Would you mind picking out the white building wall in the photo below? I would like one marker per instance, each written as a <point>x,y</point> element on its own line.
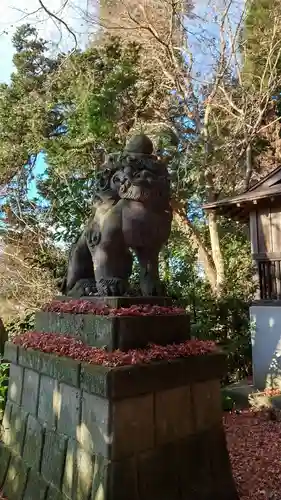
<point>266,345</point>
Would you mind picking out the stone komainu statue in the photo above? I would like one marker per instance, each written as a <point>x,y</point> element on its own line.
<point>132,212</point>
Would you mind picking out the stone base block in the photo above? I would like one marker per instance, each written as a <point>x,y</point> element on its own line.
<point>147,432</point>
<point>194,468</point>
<point>245,395</point>
<point>19,482</point>
<point>126,332</point>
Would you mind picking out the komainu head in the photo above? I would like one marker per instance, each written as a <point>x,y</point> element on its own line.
<point>141,176</point>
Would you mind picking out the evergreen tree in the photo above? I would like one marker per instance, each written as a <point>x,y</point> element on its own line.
<point>24,119</point>
<point>261,38</point>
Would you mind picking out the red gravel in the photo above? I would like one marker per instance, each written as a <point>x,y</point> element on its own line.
<point>86,306</point>
<point>76,349</point>
<point>254,444</point>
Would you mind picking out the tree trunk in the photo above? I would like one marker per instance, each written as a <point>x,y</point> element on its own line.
<point>249,167</point>
<point>216,251</point>
<point>195,237</point>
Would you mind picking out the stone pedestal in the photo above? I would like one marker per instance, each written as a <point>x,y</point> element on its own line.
<point>125,332</point>
<point>113,332</point>
<point>75,431</point>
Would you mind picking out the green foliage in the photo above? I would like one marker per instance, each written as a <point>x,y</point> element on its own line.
<point>260,38</point>
<point>20,324</point>
<point>4,381</point>
<point>95,94</point>
<point>24,121</point>
<point>179,269</point>
<point>73,108</point>
<point>227,403</point>
<point>236,248</point>
<point>51,259</point>
<point>226,320</point>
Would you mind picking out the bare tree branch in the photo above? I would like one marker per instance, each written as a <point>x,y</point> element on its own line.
<point>54,16</point>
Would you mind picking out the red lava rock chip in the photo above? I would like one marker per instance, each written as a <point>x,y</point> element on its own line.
<point>85,306</point>
<point>76,349</point>
<point>254,444</point>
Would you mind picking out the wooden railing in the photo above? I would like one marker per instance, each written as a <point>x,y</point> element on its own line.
<point>269,272</point>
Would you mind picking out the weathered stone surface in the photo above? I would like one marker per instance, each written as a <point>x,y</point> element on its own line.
<point>207,405</point>
<point>82,488</point>
<point>53,458</point>
<point>119,430</point>
<point>94,330</point>
<point>123,480</point>
<point>29,358</point>
<point>220,464</point>
<point>30,391</point>
<point>15,383</point>
<point>59,322</point>
<point>194,467</point>
<point>131,381</point>
<point>97,380</point>
<point>115,480</point>
<point>16,477</point>
<point>69,410</point>
<point>132,426</point>
<point>203,465</point>
<point>11,352</point>
<point>100,479</point>
<point>5,455</point>
<point>33,443</point>
<point>36,487</point>
<point>14,429</point>
<point>173,414</point>
<point>116,332</point>
<point>78,472</point>
<point>54,494</point>
<point>49,401</point>
<point>5,424</point>
<point>94,433</point>
<point>158,475</point>
<point>70,469</point>
<point>65,370</point>
<point>136,332</point>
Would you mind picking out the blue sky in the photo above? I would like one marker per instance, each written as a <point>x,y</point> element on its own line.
<point>39,170</point>
<point>16,12</point>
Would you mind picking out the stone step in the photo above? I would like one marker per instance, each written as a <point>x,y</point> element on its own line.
<point>245,395</point>
<point>239,393</point>
<point>113,332</point>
